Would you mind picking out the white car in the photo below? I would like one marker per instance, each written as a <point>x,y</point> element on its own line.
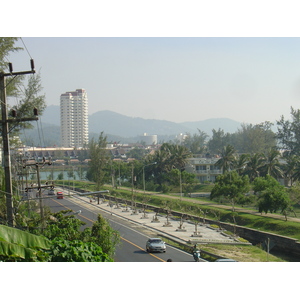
<point>51,192</point>
<point>155,245</point>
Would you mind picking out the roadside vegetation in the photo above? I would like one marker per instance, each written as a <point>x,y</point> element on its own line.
<point>252,160</point>
<point>61,240</point>
<point>204,207</point>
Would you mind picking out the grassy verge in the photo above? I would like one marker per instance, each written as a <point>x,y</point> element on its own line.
<point>237,252</point>
<point>241,253</point>
<point>259,222</point>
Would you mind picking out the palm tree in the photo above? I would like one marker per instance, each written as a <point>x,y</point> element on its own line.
<point>179,155</point>
<point>168,157</point>
<point>240,163</point>
<point>161,166</point>
<point>296,173</point>
<point>272,165</point>
<point>291,168</point>
<point>254,165</point>
<point>227,158</point>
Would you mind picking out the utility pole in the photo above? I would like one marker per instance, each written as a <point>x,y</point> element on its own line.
<point>39,187</point>
<point>5,138</point>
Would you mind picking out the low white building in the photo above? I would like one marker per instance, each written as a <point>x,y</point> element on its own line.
<point>204,168</point>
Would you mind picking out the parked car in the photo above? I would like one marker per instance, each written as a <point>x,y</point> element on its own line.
<point>60,195</point>
<point>155,245</point>
<point>51,192</point>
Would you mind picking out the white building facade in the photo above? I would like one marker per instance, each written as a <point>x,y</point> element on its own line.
<point>74,119</point>
<point>204,168</point>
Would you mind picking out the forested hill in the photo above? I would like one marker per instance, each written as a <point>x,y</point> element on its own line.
<point>124,126</point>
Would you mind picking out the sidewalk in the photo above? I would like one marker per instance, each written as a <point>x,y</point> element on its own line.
<point>160,224</point>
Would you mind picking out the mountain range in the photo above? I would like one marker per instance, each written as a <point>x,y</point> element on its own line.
<point>118,127</point>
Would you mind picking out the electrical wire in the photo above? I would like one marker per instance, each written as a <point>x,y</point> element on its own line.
<point>25,47</point>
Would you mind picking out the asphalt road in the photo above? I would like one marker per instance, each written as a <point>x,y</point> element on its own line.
<point>133,236</point>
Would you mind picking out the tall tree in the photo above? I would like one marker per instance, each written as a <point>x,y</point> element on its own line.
<point>271,165</point>
<point>7,46</point>
<point>254,138</point>
<point>168,157</point>
<point>26,91</point>
<point>103,235</point>
<point>231,186</point>
<point>178,156</point>
<point>254,165</point>
<point>218,141</point>
<point>291,169</point>
<point>98,168</point>
<point>240,163</point>
<point>295,172</point>
<point>227,158</point>
<point>272,196</point>
<point>196,143</point>
<point>29,99</point>
<point>288,134</point>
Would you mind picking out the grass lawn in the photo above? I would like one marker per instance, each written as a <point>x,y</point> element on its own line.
<point>238,252</point>
<point>241,253</point>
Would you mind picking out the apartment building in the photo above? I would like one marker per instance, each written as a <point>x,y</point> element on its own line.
<point>74,118</point>
<point>204,168</point>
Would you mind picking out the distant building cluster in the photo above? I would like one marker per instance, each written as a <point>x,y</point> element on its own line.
<point>74,119</point>
<point>74,138</point>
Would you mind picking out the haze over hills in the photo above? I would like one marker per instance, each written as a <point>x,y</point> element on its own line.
<point>118,124</point>
<point>125,129</point>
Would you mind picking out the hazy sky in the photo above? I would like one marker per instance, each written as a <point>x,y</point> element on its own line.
<point>177,79</point>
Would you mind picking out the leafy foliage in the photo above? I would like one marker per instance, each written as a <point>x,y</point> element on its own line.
<point>218,141</point>
<point>196,143</point>
<point>76,251</point>
<point>288,134</point>
<point>18,245</point>
<point>272,196</point>
<point>98,165</point>
<point>231,186</point>
<point>164,160</point>
<point>227,158</point>
<point>103,235</point>
<point>7,45</point>
<point>70,243</point>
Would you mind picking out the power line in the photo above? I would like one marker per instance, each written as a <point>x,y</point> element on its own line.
<point>26,48</point>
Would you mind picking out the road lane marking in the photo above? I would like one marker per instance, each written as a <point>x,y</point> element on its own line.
<point>79,203</point>
<point>120,236</point>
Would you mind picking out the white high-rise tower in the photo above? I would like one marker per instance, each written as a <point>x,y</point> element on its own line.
<point>74,119</point>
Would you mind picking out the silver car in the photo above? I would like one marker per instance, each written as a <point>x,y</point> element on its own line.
<point>51,192</point>
<point>155,245</point>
